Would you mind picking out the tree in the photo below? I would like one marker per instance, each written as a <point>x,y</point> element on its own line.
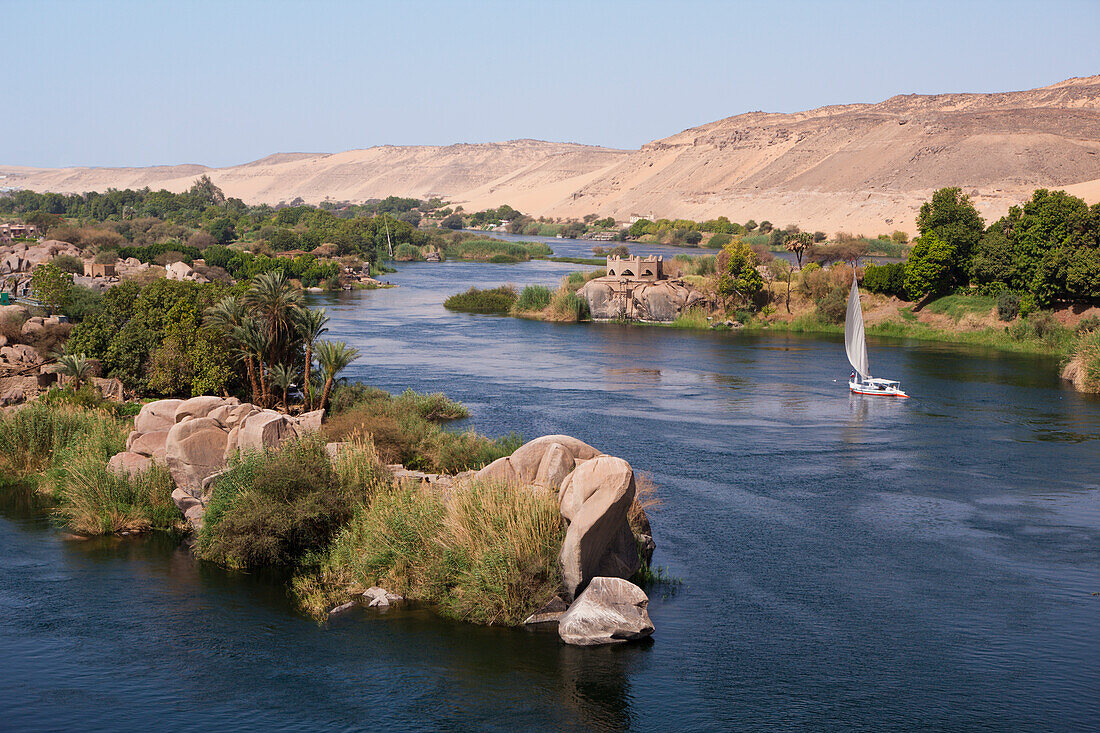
<point>930,267</point>
<point>819,237</point>
<point>954,221</point>
<point>736,276</point>
<point>222,230</point>
<point>76,367</point>
<point>797,243</point>
<point>51,285</point>
<point>333,357</point>
<point>693,237</point>
<point>638,228</point>
<point>453,221</point>
<point>282,376</point>
<point>310,324</point>
<point>206,192</point>
<point>274,302</point>
<point>750,225</point>
<point>764,226</point>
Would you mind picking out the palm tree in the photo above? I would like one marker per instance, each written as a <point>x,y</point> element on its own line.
<point>311,324</point>
<point>275,302</point>
<point>334,357</point>
<point>282,376</point>
<point>76,367</point>
<point>253,339</point>
<point>229,315</point>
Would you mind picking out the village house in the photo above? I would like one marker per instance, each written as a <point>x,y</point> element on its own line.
<point>11,232</point>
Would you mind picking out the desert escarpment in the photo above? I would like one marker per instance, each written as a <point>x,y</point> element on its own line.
<point>857,167</point>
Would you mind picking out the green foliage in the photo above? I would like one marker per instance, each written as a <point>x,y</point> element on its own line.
<point>888,279</point>
<point>568,307</point>
<point>719,240</point>
<point>930,267</point>
<point>833,307</point>
<point>953,220</point>
<point>51,285</point>
<point>153,340</point>
<point>82,303</point>
<point>1008,305</point>
<point>69,263</point>
<point>489,556</point>
<point>495,300</point>
<point>737,278</point>
<point>533,298</point>
<point>273,507</point>
<point>406,252</point>
<point>406,430</point>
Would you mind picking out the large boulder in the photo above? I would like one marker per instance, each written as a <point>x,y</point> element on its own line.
<point>609,611</point>
<point>194,449</point>
<point>157,416</point>
<point>153,445</point>
<point>525,465</point>
<point>202,406</point>
<point>127,463</point>
<point>264,429</point>
<point>660,301</point>
<point>595,500</point>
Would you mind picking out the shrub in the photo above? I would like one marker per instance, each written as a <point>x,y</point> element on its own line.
<point>487,556</point>
<point>495,300</point>
<point>41,432</point>
<point>1008,305</point>
<point>405,430</point>
<point>533,298</point>
<point>720,240</point>
<point>68,263</point>
<point>888,279</point>
<point>406,252</point>
<point>274,506</point>
<point>834,306</point>
<point>1088,354</point>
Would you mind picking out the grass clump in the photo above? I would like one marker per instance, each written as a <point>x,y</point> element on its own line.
<point>533,298</point>
<point>488,556</point>
<point>494,300</point>
<point>275,507</point>
<point>94,500</point>
<point>63,451</point>
<point>691,318</point>
<point>406,429</point>
<point>567,307</point>
<point>495,250</point>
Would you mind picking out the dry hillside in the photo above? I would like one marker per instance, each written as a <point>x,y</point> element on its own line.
<point>859,167</point>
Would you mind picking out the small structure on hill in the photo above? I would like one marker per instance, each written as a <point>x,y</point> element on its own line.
<point>97,269</point>
<point>649,269</point>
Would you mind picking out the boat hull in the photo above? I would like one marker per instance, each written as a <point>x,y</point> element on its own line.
<point>863,389</point>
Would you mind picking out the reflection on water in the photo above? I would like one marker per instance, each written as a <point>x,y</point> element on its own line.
<point>847,562</point>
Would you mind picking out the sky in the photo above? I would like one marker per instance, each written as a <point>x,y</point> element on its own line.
<point>113,83</point>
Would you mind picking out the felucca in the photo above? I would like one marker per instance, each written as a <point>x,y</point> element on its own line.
<point>855,343</point>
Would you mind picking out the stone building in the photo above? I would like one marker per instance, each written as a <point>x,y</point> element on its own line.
<point>648,269</point>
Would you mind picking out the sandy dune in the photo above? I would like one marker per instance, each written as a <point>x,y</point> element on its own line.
<point>858,167</point>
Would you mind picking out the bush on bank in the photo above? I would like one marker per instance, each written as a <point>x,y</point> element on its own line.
<point>406,429</point>
<point>495,300</point>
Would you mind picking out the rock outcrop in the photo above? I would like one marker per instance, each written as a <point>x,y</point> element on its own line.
<point>196,438</point>
<point>595,494</point>
<point>659,301</point>
<point>609,611</point>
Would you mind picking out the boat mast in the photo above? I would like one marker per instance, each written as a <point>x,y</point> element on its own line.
<point>389,244</point>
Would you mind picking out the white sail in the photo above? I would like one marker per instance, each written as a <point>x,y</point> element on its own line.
<point>855,341</point>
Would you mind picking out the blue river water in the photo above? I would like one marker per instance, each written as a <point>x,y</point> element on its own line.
<point>844,562</point>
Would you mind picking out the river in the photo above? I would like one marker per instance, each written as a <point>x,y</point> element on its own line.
<point>844,562</point>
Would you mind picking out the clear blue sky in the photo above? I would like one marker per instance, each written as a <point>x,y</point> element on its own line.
<point>219,83</point>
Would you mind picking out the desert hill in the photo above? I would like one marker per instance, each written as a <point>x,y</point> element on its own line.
<point>857,167</point>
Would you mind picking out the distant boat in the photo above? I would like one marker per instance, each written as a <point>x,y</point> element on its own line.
<point>855,343</point>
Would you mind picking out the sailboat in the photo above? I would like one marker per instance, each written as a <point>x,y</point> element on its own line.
<point>855,343</point>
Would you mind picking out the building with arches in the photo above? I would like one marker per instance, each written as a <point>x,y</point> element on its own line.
<point>649,269</point>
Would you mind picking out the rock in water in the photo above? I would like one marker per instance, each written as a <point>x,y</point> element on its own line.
<point>609,611</point>
<point>550,613</point>
<point>594,500</point>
